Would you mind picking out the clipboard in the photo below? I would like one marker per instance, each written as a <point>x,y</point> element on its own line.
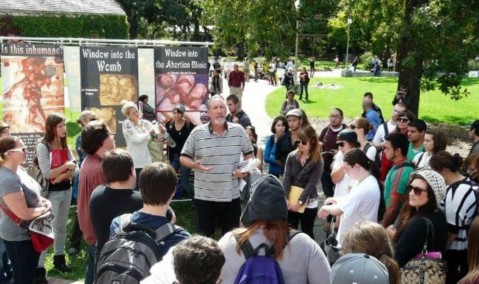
<point>293,197</point>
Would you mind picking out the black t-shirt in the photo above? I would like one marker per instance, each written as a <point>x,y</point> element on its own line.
<point>179,136</point>
<point>106,204</point>
<point>284,146</point>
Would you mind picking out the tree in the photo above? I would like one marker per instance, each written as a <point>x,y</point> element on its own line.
<point>434,39</point>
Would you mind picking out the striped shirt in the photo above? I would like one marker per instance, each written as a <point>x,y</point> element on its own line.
<point>222,153</point>
<point>460,206</point>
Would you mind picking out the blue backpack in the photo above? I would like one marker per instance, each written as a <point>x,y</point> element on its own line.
<point>260,269</point>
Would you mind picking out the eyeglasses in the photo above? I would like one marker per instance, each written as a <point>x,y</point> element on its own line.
<point>340,144</point>
<point>417,190</point>
<point>403,119</point>
<point>93,119</point>
<point>23,149</point>
<point>352,126</point>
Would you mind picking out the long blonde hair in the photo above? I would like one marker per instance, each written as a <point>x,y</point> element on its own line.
<point>371,238</point>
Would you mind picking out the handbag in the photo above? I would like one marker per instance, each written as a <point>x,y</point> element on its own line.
<point>40,241</point>
<point>426,267</point>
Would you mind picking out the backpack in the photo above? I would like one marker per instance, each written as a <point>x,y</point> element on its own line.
<point>377,157</point>
<point>128,256</point>
<point>35,172</point>
<point>260,269</point>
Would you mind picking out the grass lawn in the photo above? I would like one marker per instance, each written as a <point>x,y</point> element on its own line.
<point>433,106</point>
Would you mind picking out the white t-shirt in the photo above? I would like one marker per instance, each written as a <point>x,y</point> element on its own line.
<point>371,152</point>
<point>361,204</point>
<point>342,187</point>
<point>380,133</point>
<point>426,156</point>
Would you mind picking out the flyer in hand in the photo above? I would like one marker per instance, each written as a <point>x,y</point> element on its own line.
<point>43,225</point>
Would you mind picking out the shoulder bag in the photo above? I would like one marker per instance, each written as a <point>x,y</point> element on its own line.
<point>426,267</point>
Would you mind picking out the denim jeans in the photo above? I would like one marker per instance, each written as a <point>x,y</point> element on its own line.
<point>5,266</point>
<point>184,175</point>
<point>303,86</point>
<point>24,260</point>
<point>90,268</point>
<point>61,201</point>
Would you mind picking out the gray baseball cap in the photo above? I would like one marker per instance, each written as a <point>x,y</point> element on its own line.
<point>359,268</point>
<point>295,112</point>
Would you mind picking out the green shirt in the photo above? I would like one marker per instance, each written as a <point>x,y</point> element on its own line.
<point>412,152</point>
<point>397,180</point>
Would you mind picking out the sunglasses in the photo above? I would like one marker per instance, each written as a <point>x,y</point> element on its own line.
<point>23,149</point>
<point>417,190</point>
<point>352,126</point>
<point>92,119</point>
<point>340,144</point>
<point>403,119</point>
<point>302,142</point>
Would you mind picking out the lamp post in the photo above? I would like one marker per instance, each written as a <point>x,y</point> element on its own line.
<point>347,42</point>
<point>296,5</point>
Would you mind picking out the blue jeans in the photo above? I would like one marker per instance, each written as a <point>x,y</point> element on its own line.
<point>90,268</point>
<point>24,260</point>
<point>5,266</point>
<point>303,86</point>
<point>184,175</point>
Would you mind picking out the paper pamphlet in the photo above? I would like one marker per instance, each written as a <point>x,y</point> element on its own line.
<point>43,225</point>
<point>294,194</point>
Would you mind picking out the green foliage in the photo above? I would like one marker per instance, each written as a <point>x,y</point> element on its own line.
<point>366,59</point>
<point>435,107</point>
<point>265,27</point>
<point>96,26</point>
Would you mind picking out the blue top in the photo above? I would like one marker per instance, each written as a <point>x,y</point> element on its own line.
<point>270,157</point>
<point>154,222</point>
<point>373,118</point>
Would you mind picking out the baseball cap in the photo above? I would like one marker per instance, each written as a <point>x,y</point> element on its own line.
<point>180,108</point>
<point>359,268</point>
<point>347,135</point>
<point>295,112</point>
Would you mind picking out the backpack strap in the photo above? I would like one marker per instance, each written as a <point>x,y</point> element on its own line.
<point>164,231</point>
<point>249,251</point>
<point>386,130</point>
<point>366,147</point>
<point>404,164</point>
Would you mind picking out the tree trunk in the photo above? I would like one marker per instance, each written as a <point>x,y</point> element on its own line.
<point>410,59</point>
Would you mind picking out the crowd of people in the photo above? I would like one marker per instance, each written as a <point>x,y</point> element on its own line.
<point>392,192</point>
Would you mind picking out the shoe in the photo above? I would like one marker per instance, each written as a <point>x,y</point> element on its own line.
<point>40,276</point>
<point>73,250</point>
<point>59,263</point>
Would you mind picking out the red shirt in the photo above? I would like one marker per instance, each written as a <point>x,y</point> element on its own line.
<point>236,79</point>
<point>91,176</point>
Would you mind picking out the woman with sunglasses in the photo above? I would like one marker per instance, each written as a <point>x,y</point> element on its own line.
<point>303,169</point>
<point>362,127</point>
<point>56,163</point>
<point>20,194</point>
<point>403,120</point>
<point>426,191</point>
<point>460,206</point>
<point>347,140</point>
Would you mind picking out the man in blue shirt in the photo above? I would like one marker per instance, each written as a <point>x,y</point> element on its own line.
<point>157,187</point>
<point>372,116</point>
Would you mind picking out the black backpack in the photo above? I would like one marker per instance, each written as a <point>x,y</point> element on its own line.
<point>377,158</point>
<point>128,256</point>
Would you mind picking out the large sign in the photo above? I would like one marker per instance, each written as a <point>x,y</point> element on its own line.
<point>109,78</point>
<point>181,77</point>
<point>32,88</point>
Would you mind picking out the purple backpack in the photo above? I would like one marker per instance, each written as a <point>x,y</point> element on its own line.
<point>260,269</point>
